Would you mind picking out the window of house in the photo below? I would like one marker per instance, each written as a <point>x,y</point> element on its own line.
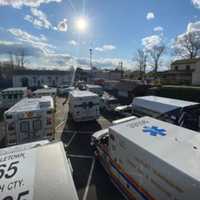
<point>188,67</point>
<point>24,126</point>
<point>176,68</point>
<point>37,125</point>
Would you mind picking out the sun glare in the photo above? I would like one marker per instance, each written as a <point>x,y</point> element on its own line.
<point>82,24</point>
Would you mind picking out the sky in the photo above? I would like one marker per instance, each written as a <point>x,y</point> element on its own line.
<point>59,33</point>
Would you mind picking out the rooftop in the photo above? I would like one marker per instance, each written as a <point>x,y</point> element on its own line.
<point>32,104</point>
<point>161,104</point>
<point>41,72</point>
<point>186,61</point>
<point>86,93</point>
<point>15,89</point>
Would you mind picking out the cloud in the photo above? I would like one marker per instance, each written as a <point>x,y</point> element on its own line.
<point>39,19</point>
<point>73,43</point>
<point>107,47</point>
<point>192,27</point>
<point>151,41</point>
<point>7,47</point>
<point>196,3</point>
<point>158,29</point>
<point>62,25</point>
<point>150,16</point>
<point>104,63</point>
<point>30,3</point>
<point>37,42</point>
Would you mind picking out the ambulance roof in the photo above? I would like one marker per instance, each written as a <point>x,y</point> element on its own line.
<point>15,89</point>
<point>177,146</point>
<point>78,93</point>
<point>45,90</point>
<point>161,104</point>
<point>45,171</point>
<point>94,86</point>
<point>32,104</point>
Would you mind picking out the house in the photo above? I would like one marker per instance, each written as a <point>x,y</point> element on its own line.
<point>186,71</point>
<point>38,78</point>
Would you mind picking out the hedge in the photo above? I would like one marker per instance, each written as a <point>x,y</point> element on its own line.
<point>178,92</point>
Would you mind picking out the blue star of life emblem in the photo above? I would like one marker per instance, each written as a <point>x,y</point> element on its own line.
<point>154,131</point>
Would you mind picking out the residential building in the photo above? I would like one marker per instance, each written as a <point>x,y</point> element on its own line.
<point>38,78</point>
<point>186,71</point>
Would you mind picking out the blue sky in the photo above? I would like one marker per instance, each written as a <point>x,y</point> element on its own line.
<point>116,29</point>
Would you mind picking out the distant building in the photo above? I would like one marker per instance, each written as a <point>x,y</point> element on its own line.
<point>114,75</point>
<point>38,78</point>
<point>186,71</point>
<point>127,89</point>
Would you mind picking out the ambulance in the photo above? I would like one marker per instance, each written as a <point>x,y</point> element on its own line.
<point>175,111</point>
<point>11,96</point>
<point>149,159</point>
<point>45,92</point>
<point>30,120</point>
<point>83,106</point>
<point>36,171</point>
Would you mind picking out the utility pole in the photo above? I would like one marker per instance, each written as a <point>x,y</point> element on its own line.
<point>121,69</point>
<point>91,58</point>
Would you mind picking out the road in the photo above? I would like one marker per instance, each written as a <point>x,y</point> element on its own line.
<point>91,181</point>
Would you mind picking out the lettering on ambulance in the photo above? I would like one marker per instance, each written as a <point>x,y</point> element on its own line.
<point>148,167</point>
<point>16,183</point>
<point>138,123</point>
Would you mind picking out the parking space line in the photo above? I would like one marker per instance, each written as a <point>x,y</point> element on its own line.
<point>59,125</point>
<point>71,139</point>
<point>89,180</point>
<point>79,156</point>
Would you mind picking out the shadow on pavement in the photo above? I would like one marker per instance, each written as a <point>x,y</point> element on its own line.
<point>101,188</point>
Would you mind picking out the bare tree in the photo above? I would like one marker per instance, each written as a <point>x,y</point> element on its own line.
<point>155,54</point>
<point>20,58</point>
<point>141,60</point>
<point>11,59</point>
<point>188,45</point>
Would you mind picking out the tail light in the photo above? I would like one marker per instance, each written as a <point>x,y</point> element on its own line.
<point>49,121</point>
<point>11,126</point>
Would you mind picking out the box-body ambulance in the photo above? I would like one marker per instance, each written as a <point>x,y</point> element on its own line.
<point>83,106</point>
<point>29,120</point>
<point>151,159</point>
<point>11,96</point>
<point>175,111</point>
<point>36,171</point>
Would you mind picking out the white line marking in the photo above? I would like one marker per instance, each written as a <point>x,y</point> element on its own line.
<point>89,180</point>
<point>59,125</point>
<point>71,139</point>
<point>79,156</point>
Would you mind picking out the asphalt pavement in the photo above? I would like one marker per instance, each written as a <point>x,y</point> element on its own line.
<point>91,180</point>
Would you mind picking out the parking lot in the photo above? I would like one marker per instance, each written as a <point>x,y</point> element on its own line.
<point>91,181</point>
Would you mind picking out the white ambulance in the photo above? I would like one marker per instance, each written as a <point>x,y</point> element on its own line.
<point>31,119</point>
<point>151,159</point>
<point>83,106</point>
<point>175,111</point>
<point>45,92</point>
<point>38,172</point>
<point>11,96</point>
